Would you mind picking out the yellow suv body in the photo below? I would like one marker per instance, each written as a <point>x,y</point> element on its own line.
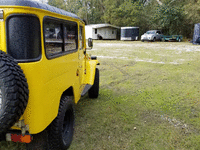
<point>50,47</point>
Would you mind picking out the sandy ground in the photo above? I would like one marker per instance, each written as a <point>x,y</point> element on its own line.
<point>183,46</point>
<point>163,50</point>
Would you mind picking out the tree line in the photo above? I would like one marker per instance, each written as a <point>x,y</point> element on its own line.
<point>170,16</point>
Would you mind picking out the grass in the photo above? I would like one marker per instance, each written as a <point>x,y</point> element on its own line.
<point>149,99</point>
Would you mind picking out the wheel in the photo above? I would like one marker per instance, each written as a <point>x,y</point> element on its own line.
<point>154,39</point>
<point>60,131</point>
<point>59,134</point>
<point>94,90</point>
<point>13,92</point>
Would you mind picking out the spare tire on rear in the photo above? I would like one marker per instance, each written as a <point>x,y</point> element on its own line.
<point>13,92</point>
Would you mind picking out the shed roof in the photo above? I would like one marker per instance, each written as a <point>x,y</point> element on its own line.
<point>35,4</point>
<point>129,27</point>
<point>96,26</point>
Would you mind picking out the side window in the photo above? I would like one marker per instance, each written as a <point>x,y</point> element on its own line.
<point>60,37</point>
<point>81,39</point>
<point>53,38</point>
<point>95,31</point>
<point>70,36</point>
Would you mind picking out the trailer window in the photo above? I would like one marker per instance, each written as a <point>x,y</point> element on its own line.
<point>24,38</point>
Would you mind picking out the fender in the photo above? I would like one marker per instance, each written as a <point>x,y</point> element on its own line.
<point>90,71</point>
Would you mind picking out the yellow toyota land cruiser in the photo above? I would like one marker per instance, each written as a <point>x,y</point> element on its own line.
<point>44,71</point>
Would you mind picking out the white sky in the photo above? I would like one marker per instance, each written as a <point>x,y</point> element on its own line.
<point>43,1</point>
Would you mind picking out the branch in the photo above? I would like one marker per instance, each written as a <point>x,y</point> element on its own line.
<point>159,2</point>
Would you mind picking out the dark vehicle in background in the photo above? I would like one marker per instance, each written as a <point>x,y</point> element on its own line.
<point>129,33</point>
<point>172,38</point>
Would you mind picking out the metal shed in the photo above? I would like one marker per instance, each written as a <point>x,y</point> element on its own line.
<point>101,31</point>
<point>129,33</point>
<point>196,35</point>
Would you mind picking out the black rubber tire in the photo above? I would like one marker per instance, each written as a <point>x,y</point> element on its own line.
<point>60,131</point>
<point>59,134</point>
<point>13,92</point>
<point>94,90</point>
<point>154,39</point>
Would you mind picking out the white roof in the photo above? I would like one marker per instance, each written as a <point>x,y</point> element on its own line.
<point>129,27</point>
<point>102,25</point>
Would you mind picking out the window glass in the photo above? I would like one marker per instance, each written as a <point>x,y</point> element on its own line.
<point>23,37</point>
<point>81,39</point>
<point>95,31</point>
<point>53,38</point>
<point>70,35</point>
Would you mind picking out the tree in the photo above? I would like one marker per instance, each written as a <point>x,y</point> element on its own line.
<point>58,3</point>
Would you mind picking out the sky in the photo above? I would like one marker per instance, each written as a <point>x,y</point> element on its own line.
<point>44,1</point>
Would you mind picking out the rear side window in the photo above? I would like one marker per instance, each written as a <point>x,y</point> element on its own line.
<point>24,37</point>
<point>60,37</point>
<point>53,38</point>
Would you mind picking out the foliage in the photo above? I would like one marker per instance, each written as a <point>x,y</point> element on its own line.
<point>171,16</point>
<point>58,3</point>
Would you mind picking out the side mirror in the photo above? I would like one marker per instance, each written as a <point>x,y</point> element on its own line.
<point>90,42</point>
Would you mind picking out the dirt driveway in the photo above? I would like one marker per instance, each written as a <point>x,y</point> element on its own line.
<point>152,52</point>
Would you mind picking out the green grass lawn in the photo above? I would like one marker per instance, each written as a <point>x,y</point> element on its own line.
<point>149,99</point>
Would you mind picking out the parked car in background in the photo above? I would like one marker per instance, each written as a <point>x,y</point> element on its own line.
<point>174,38</point>
<point>152,35</point>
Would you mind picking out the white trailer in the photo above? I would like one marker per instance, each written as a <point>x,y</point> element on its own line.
<point>101,31</point>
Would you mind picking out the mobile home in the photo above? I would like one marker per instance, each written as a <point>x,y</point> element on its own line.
<point>101,31</point>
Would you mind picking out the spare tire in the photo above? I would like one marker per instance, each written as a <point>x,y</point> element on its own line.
<point>13,92</point>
